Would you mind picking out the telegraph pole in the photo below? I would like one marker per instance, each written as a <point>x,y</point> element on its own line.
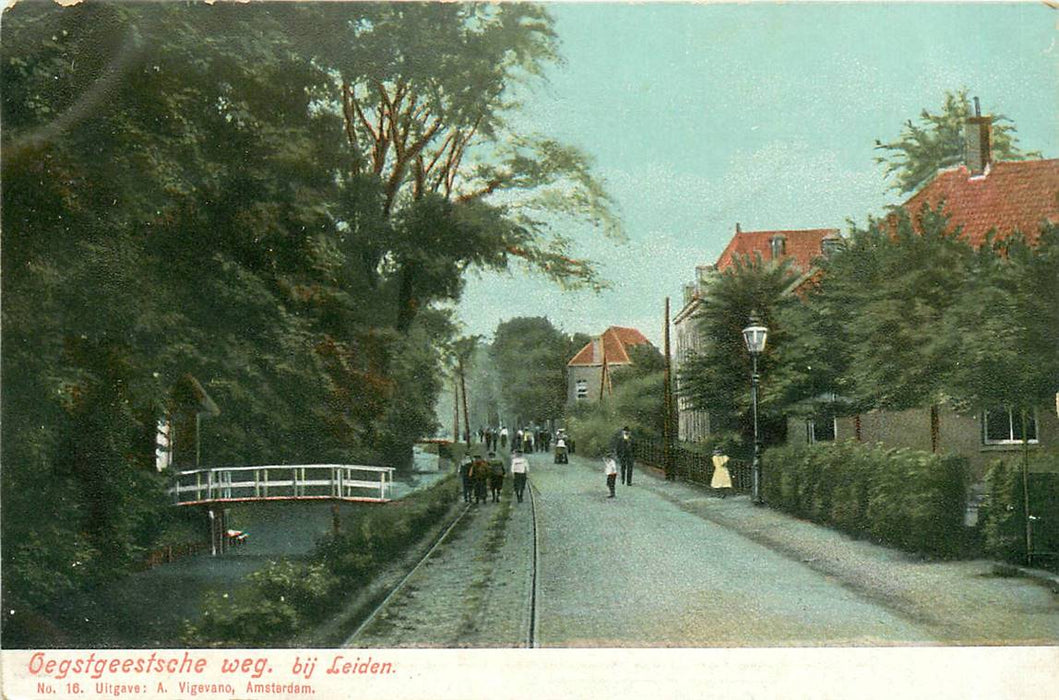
<point>667,426</point>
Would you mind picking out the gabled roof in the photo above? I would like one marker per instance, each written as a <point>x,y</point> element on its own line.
<point>802,246</point>
<point>1008,196</point>
<point>615,340</point>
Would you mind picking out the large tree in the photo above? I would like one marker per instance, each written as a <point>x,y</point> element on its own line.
<point>427,100</point>
<point>937,142</point>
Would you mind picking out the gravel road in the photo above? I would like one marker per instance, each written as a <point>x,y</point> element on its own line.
<point>668,565</point>
<point>474,591</point>
<point>665,564</point>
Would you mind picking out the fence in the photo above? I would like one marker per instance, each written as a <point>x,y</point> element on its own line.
<point>302,481</point>
<point>691,466</point>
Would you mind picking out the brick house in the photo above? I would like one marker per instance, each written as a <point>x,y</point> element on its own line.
<point>980,196</point>
<point>588,373</point>
<point>802,247</point>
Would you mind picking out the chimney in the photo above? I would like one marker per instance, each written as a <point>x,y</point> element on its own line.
<point>597,349</point>
<point>738,230</point>
<point>976,134</point>
<point>703,273</point>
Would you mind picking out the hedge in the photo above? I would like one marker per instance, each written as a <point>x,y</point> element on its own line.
<point>903,498</point>
<point>287,597</point>
<point>1004,512</point>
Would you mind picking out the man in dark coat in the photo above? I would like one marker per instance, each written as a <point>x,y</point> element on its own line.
<point>625,449</point>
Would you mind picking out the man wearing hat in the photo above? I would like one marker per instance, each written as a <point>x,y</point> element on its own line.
<point>519,467</point>
<point>624,448</point>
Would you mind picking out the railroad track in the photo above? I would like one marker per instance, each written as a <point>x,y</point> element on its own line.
<point>419,609</point>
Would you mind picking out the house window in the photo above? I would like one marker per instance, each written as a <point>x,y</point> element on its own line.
<point>582,389</point>
<point>820,430</point>
<point>1003,426</point>
<point>779,246</point>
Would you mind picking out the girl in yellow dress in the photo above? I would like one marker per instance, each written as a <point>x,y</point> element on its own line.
<point>721,478</point>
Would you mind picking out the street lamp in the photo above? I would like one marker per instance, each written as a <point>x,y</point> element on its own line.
<point>754,336</point>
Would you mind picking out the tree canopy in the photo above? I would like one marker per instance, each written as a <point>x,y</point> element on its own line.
<point>937,142</point>
<point>271,198</point>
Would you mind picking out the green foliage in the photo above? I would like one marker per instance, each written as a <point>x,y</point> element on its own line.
<point>902,498</point>
<point>189,189</point>
<point>1006,320</point>
<point>1004,513</point>
<point>637,402</point>
<point>718,378</point>
<point>530,356</point>
<point>937,142</point>
<point>287,597</point>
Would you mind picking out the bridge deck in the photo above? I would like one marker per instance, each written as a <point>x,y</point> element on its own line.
<point>342,482</point>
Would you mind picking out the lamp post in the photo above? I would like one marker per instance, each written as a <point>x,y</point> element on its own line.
<point>754,336</point>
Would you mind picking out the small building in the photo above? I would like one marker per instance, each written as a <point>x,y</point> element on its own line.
<point>801,246</point>
<point>589,372</point>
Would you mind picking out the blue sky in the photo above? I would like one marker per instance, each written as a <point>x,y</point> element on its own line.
<point>701,116</point>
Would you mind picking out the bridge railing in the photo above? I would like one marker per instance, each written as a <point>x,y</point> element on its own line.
<point>287,481</point>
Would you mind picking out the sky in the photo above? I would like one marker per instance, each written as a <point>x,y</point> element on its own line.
<point>701,116</point>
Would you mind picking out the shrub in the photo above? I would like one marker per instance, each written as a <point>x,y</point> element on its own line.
<point>908,499</point>
<point>1004,513</point>
<point>281,599</point>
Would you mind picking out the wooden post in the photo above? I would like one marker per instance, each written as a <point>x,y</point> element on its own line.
<point>463,390</point>
<point>1026,490</point>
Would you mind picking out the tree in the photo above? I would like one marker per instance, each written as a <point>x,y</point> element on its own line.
<point>530,355</point>
<point>1006,320</point>
<point>718,378</point>
<point>937,142</point>
<point>191,190</point>
<point>425,98</point>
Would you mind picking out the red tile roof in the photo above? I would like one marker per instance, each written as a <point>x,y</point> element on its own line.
<point>615,341</point>
<point>1009,196</point>
<point>802,246</point>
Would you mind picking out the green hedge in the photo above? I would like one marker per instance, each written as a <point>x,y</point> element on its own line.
<point>903,498</point>
<point>1004,513</point>
<point>287,597</point>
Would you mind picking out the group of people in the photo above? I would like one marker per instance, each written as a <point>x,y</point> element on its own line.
<point>483,477</point>
<point>527,439</point>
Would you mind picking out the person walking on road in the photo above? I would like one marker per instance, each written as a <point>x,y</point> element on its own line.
<point>465,478</point>
<point>722,479</point>
<point>503,437</point>
<point>610,469</point>
<point>624,448</point>
<point>496,476</point>
<point>519,469</point>
<point>480,478</point>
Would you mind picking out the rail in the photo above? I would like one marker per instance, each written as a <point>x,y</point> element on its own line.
<point>283,482</point>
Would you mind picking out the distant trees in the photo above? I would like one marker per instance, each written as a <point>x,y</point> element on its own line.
<point>530,356</point>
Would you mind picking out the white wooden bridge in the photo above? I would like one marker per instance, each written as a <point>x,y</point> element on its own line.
<point>287,482</point>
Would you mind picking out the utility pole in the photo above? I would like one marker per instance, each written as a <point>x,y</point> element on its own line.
<point>455,411</point>
<point>667,409</point>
